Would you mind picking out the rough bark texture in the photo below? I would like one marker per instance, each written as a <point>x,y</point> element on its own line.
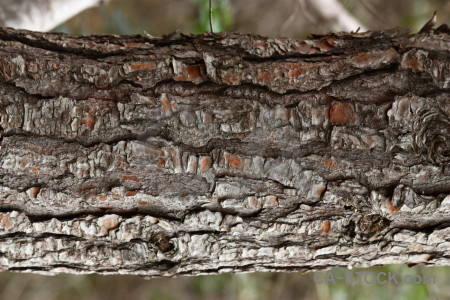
<point>223,153</point>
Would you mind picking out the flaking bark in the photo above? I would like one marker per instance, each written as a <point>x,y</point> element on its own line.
<point>223,153</point>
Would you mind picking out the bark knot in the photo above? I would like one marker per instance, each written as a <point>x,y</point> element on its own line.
<point>432,135</point>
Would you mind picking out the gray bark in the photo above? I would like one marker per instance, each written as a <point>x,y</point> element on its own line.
<point>223,153</point>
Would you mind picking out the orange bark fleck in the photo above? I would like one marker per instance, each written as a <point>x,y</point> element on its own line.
<point>325,227</point>
<point>35,170</point>
<point>391,207</point>
<point>103,197</point>
<point>190,72</point>
<point>368,57</point>
<point>362,57</point>
<point>205,163</point>
<point>5,220</point>
<point>341,113</point>
<point>294,65</point>
<point>142,202</point>
<point>35,191</point>
<point>143,66</point>
<point>157,152</point>
<point>161,161</point>
<point>233,160</point>
<point>89,122</point>
<point>130,193</point>
<point>295,73</point>
<point>320,191</point>
<point>165,105</point>
<point>128,177</point>
<point>330,163</point>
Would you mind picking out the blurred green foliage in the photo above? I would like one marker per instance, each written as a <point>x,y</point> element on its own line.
<point>251,286</point>
<point>363,291</point>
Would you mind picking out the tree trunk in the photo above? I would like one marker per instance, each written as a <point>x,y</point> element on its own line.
<point>223,153</point>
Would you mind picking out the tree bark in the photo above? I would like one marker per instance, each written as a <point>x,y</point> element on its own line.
<point>223,153</point>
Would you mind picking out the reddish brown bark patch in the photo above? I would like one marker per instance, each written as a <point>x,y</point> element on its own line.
<point>5,220</point>
<point>414,64</point>
<point>392,209</point>
<point>330,163</point>
<point>87,187</point>
<point>295,73</point>
<point>194,71</point>
<point>132,178</point>
<point>205,164</point>
<point>233,160</point>
<point>341,113</point>
<point>265,76</point>
<point>166,106</point>
<point>325,227</point>
<point>89,122</point>
<point>326,44</point>
<point>143,66</point>
<point>35,191</point>
<point>320,191</point>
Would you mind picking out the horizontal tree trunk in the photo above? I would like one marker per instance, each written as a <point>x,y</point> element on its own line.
<point>223,153</point>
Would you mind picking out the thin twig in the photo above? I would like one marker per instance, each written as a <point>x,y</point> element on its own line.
<point>210,16</point>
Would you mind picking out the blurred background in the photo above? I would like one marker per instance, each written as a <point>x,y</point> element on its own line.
<point>286,18</point>
<point>289,18</point>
